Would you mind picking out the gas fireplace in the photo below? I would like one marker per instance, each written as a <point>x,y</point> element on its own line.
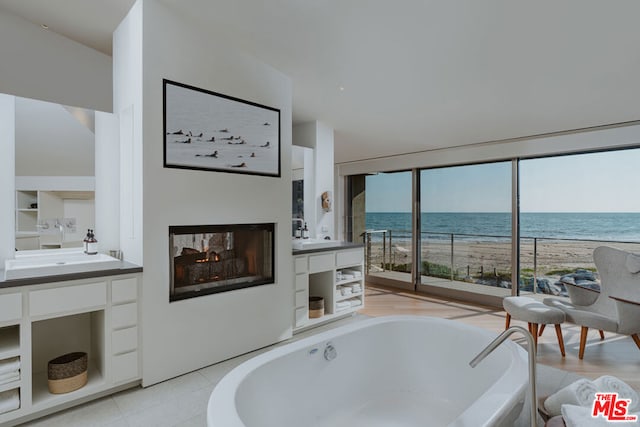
<point>207,259</point>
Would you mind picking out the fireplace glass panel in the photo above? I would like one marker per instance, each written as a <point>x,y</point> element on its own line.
<point>208,259</point>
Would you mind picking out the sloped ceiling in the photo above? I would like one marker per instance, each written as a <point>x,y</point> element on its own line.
<point>413,75</point>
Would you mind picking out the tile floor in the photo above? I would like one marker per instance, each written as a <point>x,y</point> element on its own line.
<point>182,401</point>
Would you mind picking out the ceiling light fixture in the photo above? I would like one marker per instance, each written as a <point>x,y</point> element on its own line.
<point>341,88</point>
<point>44,26</point>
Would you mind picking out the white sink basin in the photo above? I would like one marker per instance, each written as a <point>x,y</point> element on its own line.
<point>302,244</point>
<point>57,263</point>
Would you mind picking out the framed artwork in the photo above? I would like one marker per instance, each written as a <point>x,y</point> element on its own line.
<point>205,130</point>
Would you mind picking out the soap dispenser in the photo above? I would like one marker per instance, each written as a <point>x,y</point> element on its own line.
<point>85,241</point>
<point>92,244</point>
<point>305,232</point>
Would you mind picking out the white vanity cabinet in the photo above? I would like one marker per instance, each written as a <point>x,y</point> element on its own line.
<point>39,322</point>
<point>335,275</point>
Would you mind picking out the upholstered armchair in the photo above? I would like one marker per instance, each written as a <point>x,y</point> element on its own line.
<point>616,308</point>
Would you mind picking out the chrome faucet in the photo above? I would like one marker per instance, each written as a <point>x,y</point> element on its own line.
<point>61,228</point>
<point>531,351</point>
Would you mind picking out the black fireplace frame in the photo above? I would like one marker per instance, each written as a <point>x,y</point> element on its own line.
<point>218,228</point>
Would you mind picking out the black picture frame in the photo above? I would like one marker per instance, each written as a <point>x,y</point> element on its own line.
<point>210,131</point>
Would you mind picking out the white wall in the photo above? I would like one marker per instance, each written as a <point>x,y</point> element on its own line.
<point>186,335</point>
<point>51,142</point>
<point>43,65</point>
<point>107,173</point>
<point>7,178</point>
<point>324,180</point>
<point>127,105</point>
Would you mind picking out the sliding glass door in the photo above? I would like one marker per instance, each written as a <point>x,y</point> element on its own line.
<point>466,228</point>
<point>569,205</point>
<point>388,237</point>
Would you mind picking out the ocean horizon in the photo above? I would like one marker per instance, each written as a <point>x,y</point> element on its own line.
<point>599,226</point>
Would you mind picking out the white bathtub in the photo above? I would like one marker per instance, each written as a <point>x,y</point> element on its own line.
<point>389,371</point>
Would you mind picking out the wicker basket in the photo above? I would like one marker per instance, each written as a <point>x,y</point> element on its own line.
<point>67,372</point>
<point>316,307</point>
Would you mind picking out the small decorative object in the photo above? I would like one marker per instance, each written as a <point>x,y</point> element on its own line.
<point>67,372</point>
<point>33,206</point>
<point>206,130</point>
<point>316,307</point>
<point>90,243</point>
<point>326,201</point>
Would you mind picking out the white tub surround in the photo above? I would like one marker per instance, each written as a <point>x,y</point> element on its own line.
<point>99,316</point>
<point>333,271</point>
<point>396,370</point>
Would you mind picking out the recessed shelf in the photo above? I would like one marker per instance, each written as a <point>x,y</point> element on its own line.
<point>9,342</point>
<point>346,281</point>
<point>10,386</point>
<point>43,399</point>
<point>344,297</point>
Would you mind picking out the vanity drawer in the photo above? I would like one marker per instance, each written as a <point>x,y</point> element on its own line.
<point>302,282</point>
<point>125,366</point>
<point>346,258</point>
<point>124,290</point>
<point>125,315</point>
<point>302,315</point>
<point>322,262</point>
<point>10,307</point>
<point>124,340</point>
<point>69,298</point>
<point>302,298</point>
<point>300,264</point>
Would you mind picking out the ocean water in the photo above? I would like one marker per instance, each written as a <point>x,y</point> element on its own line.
<point>581,226</point>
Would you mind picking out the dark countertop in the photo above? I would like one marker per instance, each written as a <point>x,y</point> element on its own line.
<point>125,268</point>
<point>336,247</point>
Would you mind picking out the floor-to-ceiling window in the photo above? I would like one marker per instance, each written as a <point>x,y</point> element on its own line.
<point>569,205</point>
<point>466,228</point>
<point>470,235</point>
<point>388,224</point>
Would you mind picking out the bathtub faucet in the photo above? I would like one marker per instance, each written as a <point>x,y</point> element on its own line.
<point>531,351</point>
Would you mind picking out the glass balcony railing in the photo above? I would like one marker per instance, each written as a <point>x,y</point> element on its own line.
<point>486,259</point>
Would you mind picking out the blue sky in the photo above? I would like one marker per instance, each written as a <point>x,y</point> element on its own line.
<point>595,182</point>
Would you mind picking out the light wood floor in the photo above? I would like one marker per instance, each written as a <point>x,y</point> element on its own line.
<point>616,355</point>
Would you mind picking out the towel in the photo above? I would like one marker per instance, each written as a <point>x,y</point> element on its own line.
<point>581,393</point>
<point>579,416</point>
<point>9,378</point>
<point>343,305</point>
<point>610,384</point>
<point>9,365</point>
<point>355,302</point>
<point>9,400</point>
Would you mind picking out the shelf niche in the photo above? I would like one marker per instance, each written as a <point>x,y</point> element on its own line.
<point>54,337</point>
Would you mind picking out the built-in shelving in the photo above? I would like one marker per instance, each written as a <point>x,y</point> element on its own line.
<point>9,342</point>
<point>43,399</point>
<point>84,315</point>
<point>319,274</point>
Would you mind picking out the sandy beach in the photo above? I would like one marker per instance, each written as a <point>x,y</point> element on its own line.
<point>552,259</point>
